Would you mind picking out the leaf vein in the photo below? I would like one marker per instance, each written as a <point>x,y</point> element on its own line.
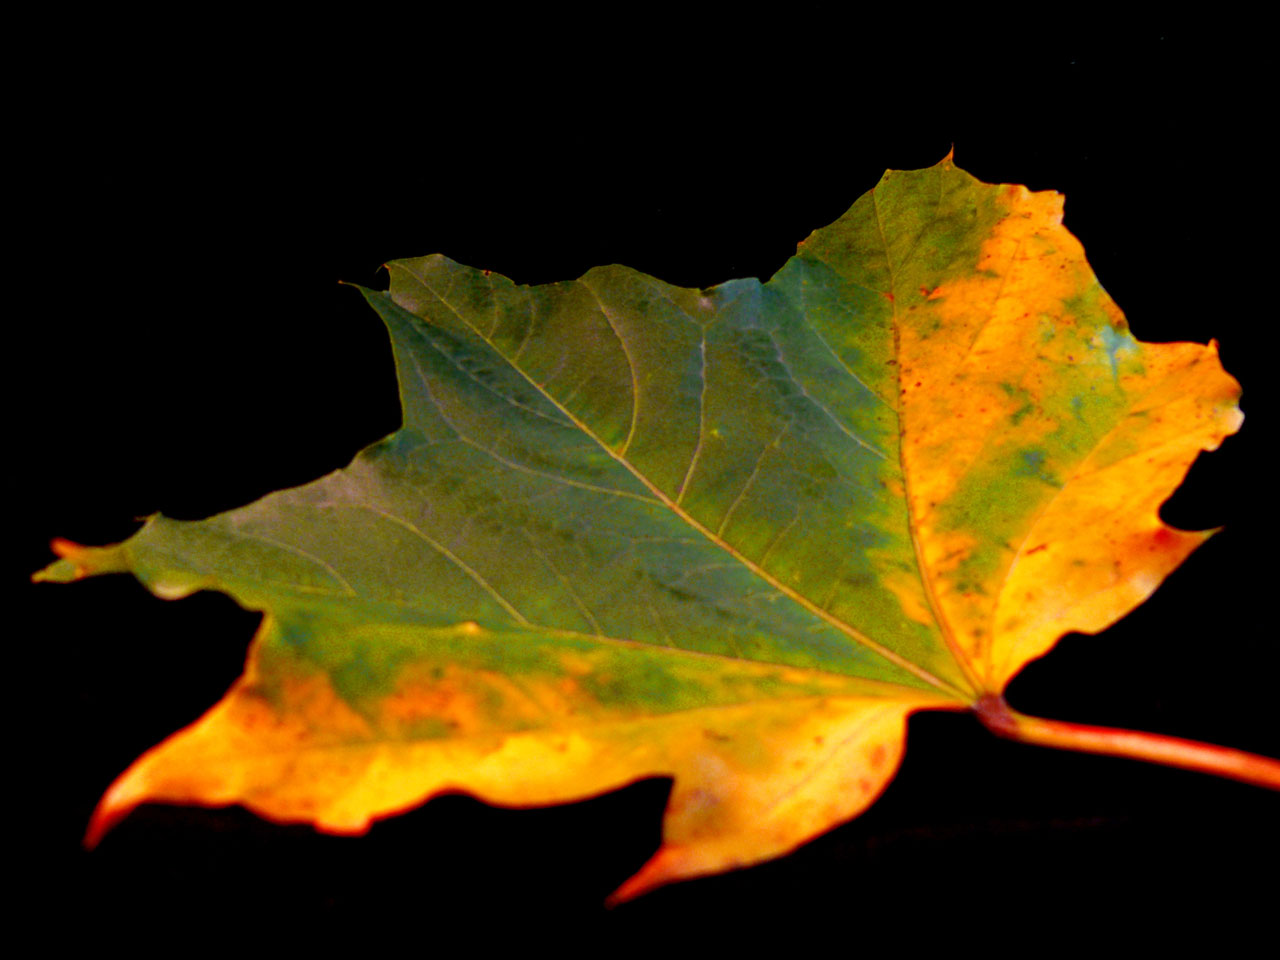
<point>817,334</point>
<point>926,579</point>
<point>631,366</point>
<point>847,629</point>
<point>777,348</point>
<point>299,551</point>
<point>751,479</point>
<point>702,420</point>
<point>448,554</point>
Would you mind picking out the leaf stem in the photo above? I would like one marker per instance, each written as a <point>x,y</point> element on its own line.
<point>1152,747</point>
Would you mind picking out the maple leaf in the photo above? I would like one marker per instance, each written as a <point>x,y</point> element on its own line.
<point>733,536</point>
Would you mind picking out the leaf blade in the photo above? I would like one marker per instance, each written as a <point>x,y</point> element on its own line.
<point>1019,376</point>
<point>755,751</point>
<point>747,477</point>
<point>831,542</point>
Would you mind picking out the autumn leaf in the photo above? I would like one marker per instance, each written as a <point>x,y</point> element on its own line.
<point>734,536</point>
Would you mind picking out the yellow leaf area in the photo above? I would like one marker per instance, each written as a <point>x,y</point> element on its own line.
<point>1040,438</point>
<point>763,758</point>
<point>501,600</point>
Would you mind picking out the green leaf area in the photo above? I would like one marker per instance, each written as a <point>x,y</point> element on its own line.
<point>682,498</point>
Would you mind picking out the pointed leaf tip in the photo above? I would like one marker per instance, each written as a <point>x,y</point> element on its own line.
<point>77,562</point>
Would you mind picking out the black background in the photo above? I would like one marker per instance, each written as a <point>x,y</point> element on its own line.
<point>191,206</point>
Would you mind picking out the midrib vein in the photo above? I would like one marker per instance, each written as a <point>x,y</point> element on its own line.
<point>935,607</point>
<point>848,630</point>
